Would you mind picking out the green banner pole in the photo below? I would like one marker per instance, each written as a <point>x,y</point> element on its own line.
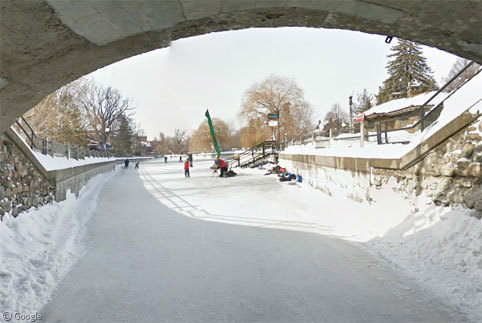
<point>211,130</point>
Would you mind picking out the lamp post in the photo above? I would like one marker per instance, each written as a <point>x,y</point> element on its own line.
<point>351,113</point>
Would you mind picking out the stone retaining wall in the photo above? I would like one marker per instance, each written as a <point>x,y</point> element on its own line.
<point>450,174</point>
<point>24,183</point>
<point>22,186</point>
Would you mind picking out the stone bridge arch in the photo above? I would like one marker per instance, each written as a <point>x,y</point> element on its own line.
<point>45,44</point>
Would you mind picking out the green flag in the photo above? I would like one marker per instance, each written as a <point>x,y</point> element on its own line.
<point>211,130</point>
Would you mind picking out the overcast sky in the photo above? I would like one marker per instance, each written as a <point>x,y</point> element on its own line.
<point>172,87</point>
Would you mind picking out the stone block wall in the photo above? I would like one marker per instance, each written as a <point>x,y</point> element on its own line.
<point>22,186</point>
<point>450,174</point>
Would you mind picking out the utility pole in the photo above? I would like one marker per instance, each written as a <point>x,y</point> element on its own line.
<point>351,113</point>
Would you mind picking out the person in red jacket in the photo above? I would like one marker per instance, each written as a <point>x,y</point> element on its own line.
<point>186,169</point>
<point>222,167</point>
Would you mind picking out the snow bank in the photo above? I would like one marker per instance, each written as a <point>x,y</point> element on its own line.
<point>39,246</point>
<point>441,248</point>
<point>467,97</point>
<point>55,163</point>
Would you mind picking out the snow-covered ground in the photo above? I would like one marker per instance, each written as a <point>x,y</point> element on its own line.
<point>39,246</point>
<point>135,240</point>
<point>439,247</point>
<point>54,163</point>
<point>468,97</point>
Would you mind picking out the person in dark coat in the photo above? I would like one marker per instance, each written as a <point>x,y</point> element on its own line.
<point>186,169</point>
<point>165,159</point>
<point>180,159</point>
<point>126,163</point>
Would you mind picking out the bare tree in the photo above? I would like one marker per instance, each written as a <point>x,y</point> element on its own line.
<point>201,139</point>
<point>102,107</point>
<point>59,116</point>
<point>179,142</point>
<point>459,64</point>
<point>279,95</point>
<point>336,118</point>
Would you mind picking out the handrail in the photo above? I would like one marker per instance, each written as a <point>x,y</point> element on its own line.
<point>50,147</point>
<point>32,133</point>
<point>251,151</point>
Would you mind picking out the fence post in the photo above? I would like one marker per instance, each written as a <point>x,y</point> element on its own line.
<point>330,136</point>
<point>379,134</point>
<point>362,133</point>
<point>67,151</point>
<point>50,147</point>
<point>44,146</point>
<point>422,114</point>
<point>386,136</point>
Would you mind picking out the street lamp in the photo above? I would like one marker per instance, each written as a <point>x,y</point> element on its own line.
<point>351,113</point>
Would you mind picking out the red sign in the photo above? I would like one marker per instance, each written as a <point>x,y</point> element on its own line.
<point>359,117</point>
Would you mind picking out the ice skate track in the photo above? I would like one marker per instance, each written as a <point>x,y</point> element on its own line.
<point>148,263</point>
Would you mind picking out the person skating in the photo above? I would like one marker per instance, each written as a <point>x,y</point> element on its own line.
<point>189,157</point>
<point>126,163</point>
<point>180,159</point>
<point>186,169</point>
<point>165,159</point>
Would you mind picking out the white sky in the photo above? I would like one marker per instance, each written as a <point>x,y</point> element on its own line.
<point>172,87</point>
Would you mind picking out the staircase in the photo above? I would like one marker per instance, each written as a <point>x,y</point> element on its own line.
<point>253,156</point>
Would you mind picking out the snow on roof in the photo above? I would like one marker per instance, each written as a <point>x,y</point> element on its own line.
<point>405,103</point>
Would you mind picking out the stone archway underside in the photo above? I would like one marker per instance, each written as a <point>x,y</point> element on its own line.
<point>45,44</point>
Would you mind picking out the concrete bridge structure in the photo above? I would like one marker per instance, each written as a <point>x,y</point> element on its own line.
<point>45,44</point>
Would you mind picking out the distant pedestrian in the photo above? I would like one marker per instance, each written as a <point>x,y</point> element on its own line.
<point>126,163</point>
<point>137,165</point>
<point>180,159</point>
<point>186,169</point>
<point>165,159</point>
<point>189,157</point>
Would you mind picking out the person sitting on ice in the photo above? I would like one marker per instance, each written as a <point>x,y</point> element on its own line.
<point>222,166</point>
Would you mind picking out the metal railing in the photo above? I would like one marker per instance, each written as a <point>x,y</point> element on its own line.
<point>254,154</point>
<point>47,146</point>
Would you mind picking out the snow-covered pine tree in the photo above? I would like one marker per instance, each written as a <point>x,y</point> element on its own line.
<point>364,101</point>
<point>409,73</point>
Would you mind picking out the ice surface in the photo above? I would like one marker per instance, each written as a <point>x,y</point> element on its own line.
<point>158,252</point>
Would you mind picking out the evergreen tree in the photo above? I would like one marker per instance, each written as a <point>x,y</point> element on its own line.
<point>408,72</point>
<point>364,101</point>
<point>123,137</point>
